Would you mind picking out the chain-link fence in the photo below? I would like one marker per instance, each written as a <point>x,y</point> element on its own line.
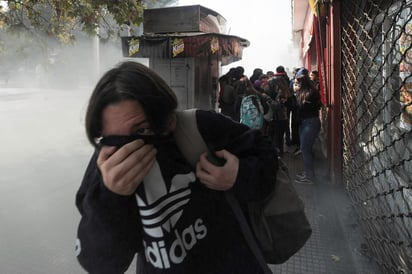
<point>377,116</point>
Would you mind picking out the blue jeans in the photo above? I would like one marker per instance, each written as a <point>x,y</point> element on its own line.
<point>308,131</point>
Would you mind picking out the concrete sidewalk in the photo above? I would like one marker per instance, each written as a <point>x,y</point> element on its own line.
<point>336,244</point>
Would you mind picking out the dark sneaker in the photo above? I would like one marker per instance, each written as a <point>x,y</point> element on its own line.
<point>300,176</point>
<point>297,152</point>
<point>304,180</point>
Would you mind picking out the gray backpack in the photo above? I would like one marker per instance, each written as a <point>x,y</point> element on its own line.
<point>278,225</point>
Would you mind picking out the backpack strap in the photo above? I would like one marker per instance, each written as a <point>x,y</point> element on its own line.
<point>190,141</point>
<point>188,137</point>
<point>246,231</point>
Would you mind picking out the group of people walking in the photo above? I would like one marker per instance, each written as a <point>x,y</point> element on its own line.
<point>287,108</point>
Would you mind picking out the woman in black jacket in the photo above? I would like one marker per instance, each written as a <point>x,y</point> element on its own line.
<point>140,195</point>
<point>308,106</point>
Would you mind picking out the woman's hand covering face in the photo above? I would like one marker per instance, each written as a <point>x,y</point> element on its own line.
<point>124,168</point>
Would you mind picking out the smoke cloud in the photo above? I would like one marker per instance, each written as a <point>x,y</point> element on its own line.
<point>40,61</point>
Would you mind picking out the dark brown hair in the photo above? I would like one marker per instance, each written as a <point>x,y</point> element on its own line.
<point>131,81</point>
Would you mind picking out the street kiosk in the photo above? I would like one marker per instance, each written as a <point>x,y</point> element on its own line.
<point>187,46</point>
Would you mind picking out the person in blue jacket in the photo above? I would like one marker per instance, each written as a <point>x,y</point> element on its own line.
<point>139,195</point>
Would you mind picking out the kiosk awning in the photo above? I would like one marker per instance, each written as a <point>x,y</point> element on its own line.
<point>227,48</point>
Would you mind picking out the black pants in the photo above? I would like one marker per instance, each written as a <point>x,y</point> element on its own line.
<point>277,132</point>
<point>295,140</point>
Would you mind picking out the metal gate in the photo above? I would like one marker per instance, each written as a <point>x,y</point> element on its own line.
<point>377,117</point>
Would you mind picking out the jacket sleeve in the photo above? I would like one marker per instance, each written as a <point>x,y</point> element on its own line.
<point>257,158</point>
<point>108,233</point>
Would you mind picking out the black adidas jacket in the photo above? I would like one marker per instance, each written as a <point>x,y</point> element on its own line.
<point>175,223</point>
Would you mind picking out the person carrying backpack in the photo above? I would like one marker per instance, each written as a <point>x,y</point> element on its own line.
<point>241,84</point>
<point>278,90</point>
<point>139,193</point>
<point>251,109</point>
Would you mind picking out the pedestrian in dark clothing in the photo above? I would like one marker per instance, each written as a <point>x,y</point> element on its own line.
<point>227,94</point>
<point>314,77</point>
<point>292,139</point>
<point>257,72</point>
<point>261,83</point>
<point>270,74</point>
<point>240,83</point>
<point>302,72</point>
<point>142,196</point>
<point>309,104</point>
<point>280,71</point>
<point>278,90</point>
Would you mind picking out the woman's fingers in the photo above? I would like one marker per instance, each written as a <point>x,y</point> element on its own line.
<point>218,177</point>
<point>124,169</point>
<point>140,166</point>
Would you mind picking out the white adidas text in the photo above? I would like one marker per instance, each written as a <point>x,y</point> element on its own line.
<point>157,254</point>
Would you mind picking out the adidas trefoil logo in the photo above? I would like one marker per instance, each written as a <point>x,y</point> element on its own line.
<point>161,212</point>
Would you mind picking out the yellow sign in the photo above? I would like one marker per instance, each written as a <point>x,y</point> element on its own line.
<point>214,45</point>
<point>178,46</point>
<point>134,46</point>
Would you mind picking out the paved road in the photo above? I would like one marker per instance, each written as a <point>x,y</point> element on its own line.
<point>43,155</point>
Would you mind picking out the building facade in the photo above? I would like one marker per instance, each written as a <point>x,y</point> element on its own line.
<point>363,50</point>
